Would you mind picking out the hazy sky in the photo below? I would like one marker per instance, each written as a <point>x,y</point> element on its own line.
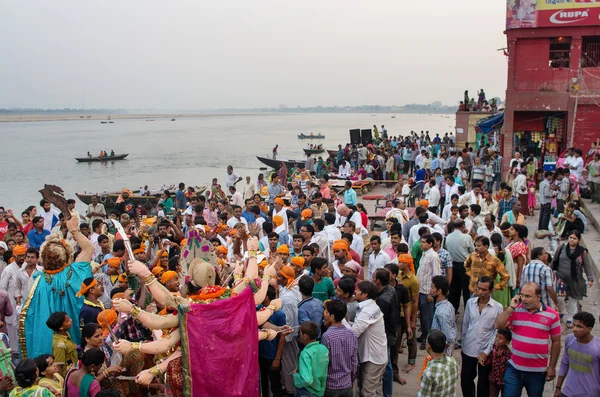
<point>239,53</point>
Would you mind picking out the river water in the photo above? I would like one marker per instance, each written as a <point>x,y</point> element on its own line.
<point>191,150</point>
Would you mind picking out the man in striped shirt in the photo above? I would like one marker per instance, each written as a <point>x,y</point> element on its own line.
<point>533,322</point>
<point>430,266</point>
<point>541,274</point>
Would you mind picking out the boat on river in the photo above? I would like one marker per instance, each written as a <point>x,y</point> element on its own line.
<point>311,136</point>
<point>101,159</point>
<point>109,199</point>
<point>313,151</point>
<point>276,164</point>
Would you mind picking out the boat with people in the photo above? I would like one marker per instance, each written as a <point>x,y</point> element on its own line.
<point>276,164</point>
<point>109,199</point>
<point>313,151</point>
<point>99,159</point>
<point>311,136</point>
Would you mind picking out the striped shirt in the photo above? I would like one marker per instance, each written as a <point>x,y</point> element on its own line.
<point>343,357</point>
<point>537,272</point>
<point>530,337</point>
<point>430,266</point>
<point>444,319</point>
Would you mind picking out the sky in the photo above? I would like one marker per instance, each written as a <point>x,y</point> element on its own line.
<point>183,54</point>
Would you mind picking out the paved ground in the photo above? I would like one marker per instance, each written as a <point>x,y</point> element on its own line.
<point>590,304</point>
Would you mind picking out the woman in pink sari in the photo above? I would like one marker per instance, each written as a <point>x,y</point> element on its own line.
<point>518,248</point>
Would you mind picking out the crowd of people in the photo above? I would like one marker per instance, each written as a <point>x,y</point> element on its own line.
<point>336,306</point>
<point>479,105</point>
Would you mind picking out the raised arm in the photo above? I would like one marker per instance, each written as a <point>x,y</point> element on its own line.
<point>87,248</point>
<point>157,347</point>
<point>152,321</point>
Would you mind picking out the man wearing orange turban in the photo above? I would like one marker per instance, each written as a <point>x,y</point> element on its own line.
<point>107,318</point>
<point>279,209</point>
<point>284,253</point>
<point>157,271</point>
<point>170,280</point>
<point>341,253</point>
<point>91,290</point>
<point>287,272</point>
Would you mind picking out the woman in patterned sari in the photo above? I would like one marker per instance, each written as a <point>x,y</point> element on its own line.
<point>518,249</point>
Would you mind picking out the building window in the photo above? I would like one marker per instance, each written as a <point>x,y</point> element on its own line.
<point>560,52</point>
<point>590,52</point>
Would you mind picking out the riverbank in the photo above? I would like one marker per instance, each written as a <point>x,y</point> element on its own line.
<point>27,118</point>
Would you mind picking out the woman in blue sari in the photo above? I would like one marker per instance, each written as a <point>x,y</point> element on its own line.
<point>55,290</point>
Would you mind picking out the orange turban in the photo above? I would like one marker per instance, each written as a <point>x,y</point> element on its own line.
<point>233,233</point>
<point>122,278</point>
<point>114,262</point>
<point>168,275</point>
<point>283,249</point>
<point>263,263</point>
<point>206,228</point>
<point>406,258</point>
<point>306,214</point>
<point>222,249</point>
<point>157,270</point>
<point>279,200</point>
<point>298,261</point>
<point>278,220</point>
<point>423,203</point>
<point>83,289</point>
<point>183,242</point>
<point>107,318</point>
<point>141,250</point>
<point>340,245</point>
<point>288,273</point>
<point>20,249</point>
<point>164,254</point>
<point>221,227</point>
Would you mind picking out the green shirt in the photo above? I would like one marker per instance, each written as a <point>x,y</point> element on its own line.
<point>312,368</point>
<point>416,253</point>
<point>324,290</point>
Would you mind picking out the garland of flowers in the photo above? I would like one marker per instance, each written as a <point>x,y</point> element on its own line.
<point>211,293</point>
<point>49,279</point>
<point>53,272</point>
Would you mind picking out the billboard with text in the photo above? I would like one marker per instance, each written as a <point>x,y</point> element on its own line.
<point>552,13</point>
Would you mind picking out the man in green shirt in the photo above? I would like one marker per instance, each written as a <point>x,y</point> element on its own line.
<point>311,375</point>
<point>324,288</point>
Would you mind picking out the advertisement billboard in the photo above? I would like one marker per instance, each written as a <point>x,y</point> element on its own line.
<point>550,13</point>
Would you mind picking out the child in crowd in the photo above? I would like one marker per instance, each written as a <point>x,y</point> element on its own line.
<point>498,357</point>
<point>310,377</point>
<point>64,349</point>
<point>49,376</point>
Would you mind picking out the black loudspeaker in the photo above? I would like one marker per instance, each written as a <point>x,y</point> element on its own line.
<point>366,137</point>
<point>355,136</point>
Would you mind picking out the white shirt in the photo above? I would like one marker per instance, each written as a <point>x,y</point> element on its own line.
<point>344,170</point>
<point>358,245</point>
<point>332,233</point>
<point>519,185</point>
<point>234,221</point>
<point>97,248</point>
<point>283,214</point>
<point>249,190</point>
<point>289,304</point>
<point>434,196</point>
<point>419,160</point>
<point>48,217</point>
<point>450,190</point>
<point>578,163</point>
<point>478,330</point>
<point>401,215</point>
<point>484,231</point>
<point>237,199</point>
<point>24,281</point>
<point>468,224</point>
<point>357,219</point>
<point>377,261</point>
<point>413,235</point>
<point>475,198</point>
<point>230,179</point>
<point>99,208</point>
<point>320,238</point>
<point>429,266</point>
<point>447,212</point>
<point>370,331</point>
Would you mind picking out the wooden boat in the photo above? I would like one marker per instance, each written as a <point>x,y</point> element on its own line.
<point>101,159</point>
<point>311,136</point>
<point>104,122</point>
<point>109,199</point>
<point>276,164</point>
<point>332,152</point>
<point>313,151</point>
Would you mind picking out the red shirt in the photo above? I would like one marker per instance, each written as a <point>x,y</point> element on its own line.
<point>3,229</point>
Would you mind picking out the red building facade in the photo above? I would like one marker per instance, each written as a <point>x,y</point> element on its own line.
<point>553,85</point>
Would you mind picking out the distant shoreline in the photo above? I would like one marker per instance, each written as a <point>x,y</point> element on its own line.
<point>28,118</point>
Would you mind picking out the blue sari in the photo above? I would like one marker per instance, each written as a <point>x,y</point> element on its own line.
<point>50,294</point>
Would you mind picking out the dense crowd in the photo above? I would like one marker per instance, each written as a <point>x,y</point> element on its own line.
<point>336,305</point>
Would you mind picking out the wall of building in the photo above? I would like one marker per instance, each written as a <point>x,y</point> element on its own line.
<point>535,88</point>
<point>467,121</point>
